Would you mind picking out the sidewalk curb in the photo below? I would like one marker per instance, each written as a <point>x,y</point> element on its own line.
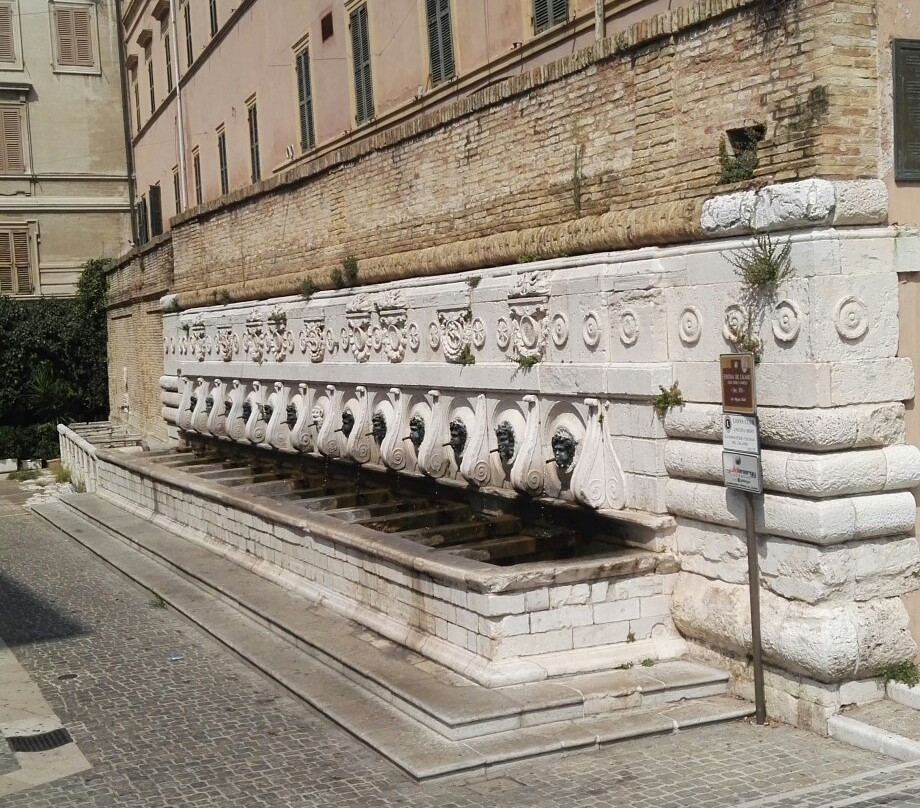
<point>865,736</point>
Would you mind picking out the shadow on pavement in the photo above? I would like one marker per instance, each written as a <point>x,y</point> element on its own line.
<point>26,617</point>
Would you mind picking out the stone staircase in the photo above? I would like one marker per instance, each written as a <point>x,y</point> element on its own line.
<point>428,720</point>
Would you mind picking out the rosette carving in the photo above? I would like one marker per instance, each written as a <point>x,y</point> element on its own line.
<point>787,320</point>
<point>591,330</point>
<point>690,325</point>
<point>851,318</point>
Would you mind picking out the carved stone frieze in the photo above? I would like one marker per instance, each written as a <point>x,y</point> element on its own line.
<point>456,332</point>
<point>527,299</point>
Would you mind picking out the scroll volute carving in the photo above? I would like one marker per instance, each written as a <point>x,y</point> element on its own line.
<point>235,426</point>
<point>279,433</point>
<point>256,425</point>
<point>433,455</point>
<point>476,465</point>
<point>184,416</point>
<point>199,403</point>
<point>217,417</point>
<point>360,447</point>
<point>329,442</point>
<point>394,451</point>
<point>528,474</point>
<point>304,426</point>
<point>597,480</point>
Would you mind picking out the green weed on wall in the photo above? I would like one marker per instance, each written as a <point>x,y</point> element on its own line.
<point>52,365</point>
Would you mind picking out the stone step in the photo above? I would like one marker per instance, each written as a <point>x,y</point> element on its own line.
<point>431,702</point>
<point>886,726</point>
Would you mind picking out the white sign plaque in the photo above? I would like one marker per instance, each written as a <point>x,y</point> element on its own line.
<point>739,433</point>
<point>742,471</point>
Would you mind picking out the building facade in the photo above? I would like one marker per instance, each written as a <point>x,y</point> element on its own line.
<point>528,217</point>
<point>64,196</point>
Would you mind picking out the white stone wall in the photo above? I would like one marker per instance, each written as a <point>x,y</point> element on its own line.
<point>495,626</point>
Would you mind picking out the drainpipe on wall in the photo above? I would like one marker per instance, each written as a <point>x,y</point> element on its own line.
<point>600,23</point>
<point>180,118</point>
<point>125,117</point>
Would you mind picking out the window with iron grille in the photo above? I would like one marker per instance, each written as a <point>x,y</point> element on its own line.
<point>440,41</point>
<point>12,160</point>
<point>177,189</point>
<point>547,13</point>
<point>361,61</point>
<point>196,170</point>
<point>153,94</point>
<point>212,7</point>
<point>222,161</point>
<point>252,115</point>
<point>189,49</point>
<point>73,26</point>
<point>16,276</point>
<point>7,34</point>
<point>156,211</point>
<point>167,47</point>
<point>305,100</point>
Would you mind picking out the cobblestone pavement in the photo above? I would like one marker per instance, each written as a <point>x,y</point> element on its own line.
<point>167,717</point>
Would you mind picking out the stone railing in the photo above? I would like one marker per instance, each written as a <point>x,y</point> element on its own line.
<point>78,456</point>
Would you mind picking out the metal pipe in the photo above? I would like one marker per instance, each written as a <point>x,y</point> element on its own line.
<point>180,117</point>
<point>760,704</point>
<point>125,117</point>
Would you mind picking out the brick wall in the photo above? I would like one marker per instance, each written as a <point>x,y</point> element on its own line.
<point>614,144</point>
<point>135,344</point>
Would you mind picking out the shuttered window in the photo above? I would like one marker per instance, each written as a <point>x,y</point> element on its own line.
<point>7,38</point>
<point>222,162</point>
<point>152,86</point>
<point>143,233</point>
<point>167,48</point>
<point>547,13</point>
<point>74,26</point>
<point>177,190</point>
<point>196,170</point>
<point>440,41</point>
<point>15,263</point>
<point>156,211</point>
<point>189,49</point>
<point>305,101</point>
<point>213,12</point>
<point>361,58</point>
<point>255,163</point>
<point>137,101</point>
<point>11,155</point>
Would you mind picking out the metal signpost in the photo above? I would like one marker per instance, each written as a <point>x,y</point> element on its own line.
<point>741,470</point>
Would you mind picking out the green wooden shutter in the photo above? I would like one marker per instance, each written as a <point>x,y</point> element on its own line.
<point>547,13</point>
<point>7,40</point>
<point>21,262</point>
<point>440,40</point>
<point>6,263</point>
<point>305,101</point>
<point>361,56</point>
<point>559,10</point>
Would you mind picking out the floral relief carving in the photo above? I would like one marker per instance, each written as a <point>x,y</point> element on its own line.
<point>560,330</point>
<point>456,331</point>
<point>313,340</point>
<point>734,323</point>
<point>851,318</point>
<point>356,334</point>
<point>256,343</point>
<point>227,343</point>
<point>434,336</point>
<point>527,299</point>
<point>787,320</point>
<point>479,333</point>
<point>392,335</point>
<point>503,333</point>
<point>413,337</point>
<point>690,325</point>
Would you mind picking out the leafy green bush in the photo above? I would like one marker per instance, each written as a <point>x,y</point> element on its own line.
<point>53,356</point>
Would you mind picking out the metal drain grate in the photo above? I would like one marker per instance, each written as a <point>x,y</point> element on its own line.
<point>41,742</point>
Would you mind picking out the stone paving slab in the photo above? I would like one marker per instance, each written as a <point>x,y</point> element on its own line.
<point>208,731</point>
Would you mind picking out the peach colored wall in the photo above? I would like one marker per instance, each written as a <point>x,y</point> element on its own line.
<point>897,19</point>
<point>493,39</point>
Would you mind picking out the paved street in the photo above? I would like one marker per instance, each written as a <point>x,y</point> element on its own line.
<point>167,717</point>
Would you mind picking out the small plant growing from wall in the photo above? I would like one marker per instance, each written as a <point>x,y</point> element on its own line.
<point>222,296</point>
<point>762,268</point>
<point>668,398</point>
<point>307,289</point>
<point>466,356</point>
<point>526,362</point>
<point>738,154</point>
<point>350,270</point>
<point>907,673</point>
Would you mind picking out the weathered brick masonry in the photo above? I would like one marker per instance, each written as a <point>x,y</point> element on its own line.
<point>614,146</point>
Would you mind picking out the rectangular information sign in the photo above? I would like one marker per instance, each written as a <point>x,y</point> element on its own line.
<point>739,433</point>
<point>737,371</point>
<point>742,471</point>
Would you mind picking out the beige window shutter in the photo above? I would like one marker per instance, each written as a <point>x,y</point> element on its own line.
<point>67,51</point>
<point>83,37</point>
<point>21,262</point>
<point>11,161</point>
<point>6,262</point>
<point>7,47</point>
